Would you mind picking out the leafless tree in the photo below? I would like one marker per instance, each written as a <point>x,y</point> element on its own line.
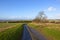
<point>41,17</point>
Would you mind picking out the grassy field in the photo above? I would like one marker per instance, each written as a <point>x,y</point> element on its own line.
<point>50,31</point>
<point>4,25</point>
<point>13,33</point>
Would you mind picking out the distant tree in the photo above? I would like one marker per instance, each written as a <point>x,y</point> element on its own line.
<point>41,17</point>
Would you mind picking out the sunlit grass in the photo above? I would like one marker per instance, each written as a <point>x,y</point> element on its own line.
<point>50,33</point>
<point>3,25</point>
<point>14,33</point>
<point>53,34</point>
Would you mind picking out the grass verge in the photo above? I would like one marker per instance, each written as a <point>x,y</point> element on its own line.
<point>14,33</point>
<point>50,34</point>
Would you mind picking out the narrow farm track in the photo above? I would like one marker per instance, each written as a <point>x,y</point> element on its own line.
<point>26,34</point>
<point>31,34</point>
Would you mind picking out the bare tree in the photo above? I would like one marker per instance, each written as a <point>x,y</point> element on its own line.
<point>41,17</point>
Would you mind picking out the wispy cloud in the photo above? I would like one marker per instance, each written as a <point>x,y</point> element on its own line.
<point>50,9</point>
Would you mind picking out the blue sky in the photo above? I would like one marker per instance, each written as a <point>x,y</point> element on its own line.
<point>28,9</point>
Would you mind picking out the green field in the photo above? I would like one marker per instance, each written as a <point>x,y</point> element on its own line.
<point>13,33</point>
<point>3,25</point>
<point>49,31</point>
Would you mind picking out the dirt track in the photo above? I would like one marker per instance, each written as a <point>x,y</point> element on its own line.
<point>31,34</point>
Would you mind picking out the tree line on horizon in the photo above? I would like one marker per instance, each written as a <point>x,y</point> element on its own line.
<point>40,18</point>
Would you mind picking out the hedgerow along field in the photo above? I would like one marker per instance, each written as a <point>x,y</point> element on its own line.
<point>13,31</point>
<point>50,31</point>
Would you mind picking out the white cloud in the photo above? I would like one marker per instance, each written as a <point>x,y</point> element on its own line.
<point>51,9</point>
